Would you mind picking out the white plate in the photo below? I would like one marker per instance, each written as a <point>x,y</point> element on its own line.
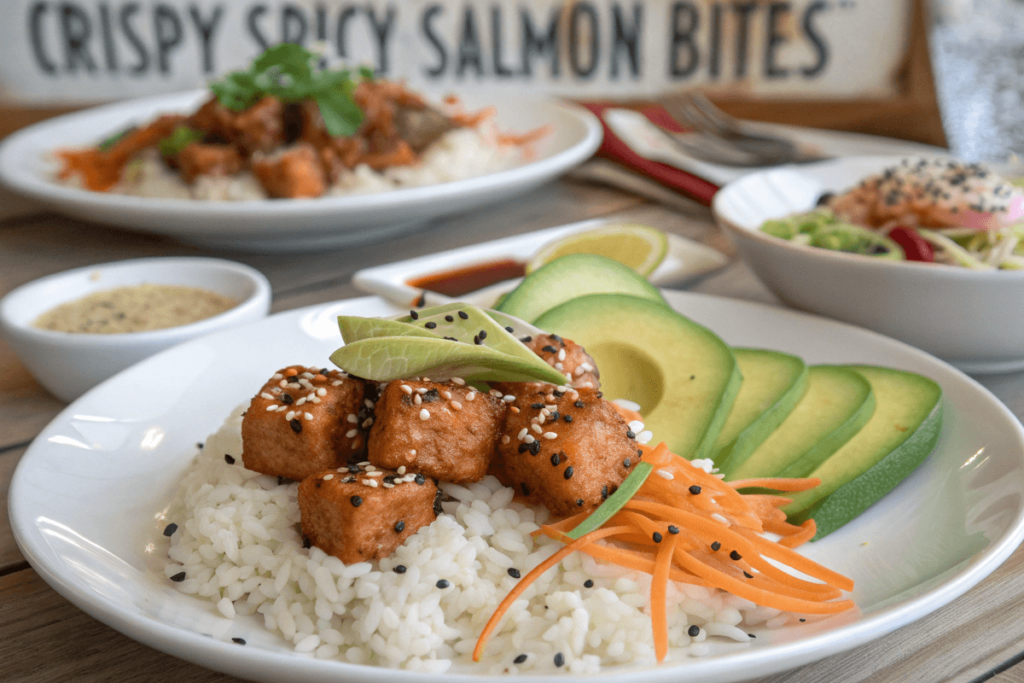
<point>87,499</point>
<point>685,259</point>
<point>27,167</point>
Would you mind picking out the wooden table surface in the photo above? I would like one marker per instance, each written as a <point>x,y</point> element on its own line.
<point>44,638</point>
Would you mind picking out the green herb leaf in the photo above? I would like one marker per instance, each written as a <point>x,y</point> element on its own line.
<point>181,138</point>
<point>607,510</point>
<point>109,142</point>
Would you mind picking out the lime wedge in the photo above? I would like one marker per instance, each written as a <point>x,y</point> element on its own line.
<point>640,247</point>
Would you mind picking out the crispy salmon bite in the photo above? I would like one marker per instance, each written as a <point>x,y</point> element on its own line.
<point>304,420</point>
<point>360,513</point>
<point>445,430</point>
<point>567,450</point>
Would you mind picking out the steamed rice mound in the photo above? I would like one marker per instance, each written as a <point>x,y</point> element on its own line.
<point>239,546</point>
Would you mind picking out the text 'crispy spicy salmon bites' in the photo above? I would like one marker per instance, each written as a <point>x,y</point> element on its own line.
<point>304,421</point>
<point>359,513</point>
<point>568,450</point>
<point>444,430</point>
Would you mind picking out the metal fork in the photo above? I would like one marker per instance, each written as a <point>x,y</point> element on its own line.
<point>722,139</point>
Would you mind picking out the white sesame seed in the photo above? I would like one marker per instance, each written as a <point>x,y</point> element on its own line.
<point>523,432</point>
<point>421,391</point>
<point>282,409</point>
<point>406,388</point>
<point>505,439</point>
<point>401,469</point>
<point>495,393</point>
<point>412,451</point>
<point>269,397</point>
<point>352,419</point>
<point>537,428</point>
<point>417,400</point>
<point>368,482</point>
<point>277,375</point>
<point>283,383</point>
<point>458,380</point>
<point>456,405</point>
<point>367,423</point>
<point>375,474</point>
<point>370,468</point>
<point>368,403</point>
<point>550,435</point>
<point>545,412</point>
<point>351,433</point>
<point>561,354</point>
<point>388,486</point>
<point>315,399</point>
<point>328,477</point>
<point>276,390</point>
<point>272,407</point>
<point>508,398</point>
<point>308,416</point>
<point>290,415</point>
<point>644,436</point>
<point>306,383</point>
<point>578,371</point>
<point>365,463</point>
<point>321,392</point>
<point>300,401</point>
<point>336,383</point>
<point>561,368</point>
<point>587,367</point>
<point>447,395</point>
<point>529,438</point>
<point>665,474</point>
<point>307,375</point>
<point>424,414</point>
<point>471,396</point>
<point>587,385</point>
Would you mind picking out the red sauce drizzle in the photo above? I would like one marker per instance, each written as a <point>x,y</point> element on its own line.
<point>460,281</point>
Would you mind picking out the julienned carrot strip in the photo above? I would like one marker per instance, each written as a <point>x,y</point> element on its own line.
<point>709,529</point>
<point>807,531</point>
<point>659,590</point>
<point>776,484</point>
<point>793,559</point>
<point>532,576</point>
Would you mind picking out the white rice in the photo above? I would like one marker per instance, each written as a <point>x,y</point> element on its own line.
<point>240,546</point>
<point>459,154</point>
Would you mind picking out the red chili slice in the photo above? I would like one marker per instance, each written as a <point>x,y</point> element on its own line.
<point>916,247</point>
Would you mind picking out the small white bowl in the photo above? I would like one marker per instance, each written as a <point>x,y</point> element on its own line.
<point>69,364</point>
<point>972,319</point>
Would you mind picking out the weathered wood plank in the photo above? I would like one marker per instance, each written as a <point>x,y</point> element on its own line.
<point>10,556</point>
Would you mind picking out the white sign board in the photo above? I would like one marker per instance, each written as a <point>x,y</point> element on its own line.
<point>78,51</point>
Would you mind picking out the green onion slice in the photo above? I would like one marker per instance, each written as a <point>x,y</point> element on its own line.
<point>615,502</point>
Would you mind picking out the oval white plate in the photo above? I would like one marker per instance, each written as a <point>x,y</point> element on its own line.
<point>27,167</point>
<point>87,498</point>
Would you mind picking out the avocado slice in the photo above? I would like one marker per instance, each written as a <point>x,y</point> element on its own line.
<point>895,441</point>
<point>773,384</point>
<point>683,376</point>
<point>837,403</point>
<point>573,276</point>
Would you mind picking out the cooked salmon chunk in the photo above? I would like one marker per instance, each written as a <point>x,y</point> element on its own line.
<point>567,450</point>
<point>360,513</point>
<point>198,159</point>
<point>567,357</point>
<point>444,430</point>
<point>291,173</point>
<point>305,420</point>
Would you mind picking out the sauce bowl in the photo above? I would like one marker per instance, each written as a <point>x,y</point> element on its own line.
<point>69,364</point>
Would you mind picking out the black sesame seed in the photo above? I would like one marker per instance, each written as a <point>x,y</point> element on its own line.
<point>400,569</point>
<point>555,459</point>
<point>509,329</point>
<point>693,376</point>
<point>748,575</point>
<point>753,636</point>
<point>306,543</point>
<point>442,583</point>
<point>476,340</point>
<point>558,394</point>
<point>519,660</point>
<point>802,620</point>
<point>568,472</point>
<point>735,556</point>
<point>514,573</point>
<point>431,325</point>
<point>536,406</point>
<point>554,416</point>
<point>228,459</point>
<point>523,447</point>
<point>673,529</point>
<point>695,489</point>
<point>559,659</point>
<point>483,334</point>
<point>535,448</point>
<point>414,315</point>
<point>716,546</point>
<point>526,489</point>
<point>399,526</point>
<point>600,394</point>
<point>549,349</point>
<point>589,583</point>
<point>579,502</point>
<point>437,503</point>
<point>287,399</point>
<point>170,529</point>
<point>178,578</point>
<point>296,425</point>
<point>238,641</point>
<point>420,479</point>
<point>317,483</point>
<point>604,492</point>
<point>464,315</point>
<point>199,445</point>
<point>567,418</point>
<point>627,462</point>
<point>354,469</point>
<point>630,434</point>
<point>579,404</point>
<point>656,536</point>
<point>639,453</point>
<point>449,319</point>
<point>526,340</point>
<point>693,631</point>
<point>422,300</point>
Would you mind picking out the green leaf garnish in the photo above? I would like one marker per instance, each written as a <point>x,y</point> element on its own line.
<point>630,485</point>
<point>287,72</point>
<point>182,137</point>
<point>109,142</point>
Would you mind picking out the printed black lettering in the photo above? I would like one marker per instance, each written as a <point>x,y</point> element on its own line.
<point>470,52</point>
<point>742,10</point>
<point>428,32</point>
<point>820,46</point>
<point>167,28</point>
<point>382,31</point>
<point>142,65</point>
<point>339,34</point>
<point>500,69</point>
<point>715,43</point>
<point>251,23</point>
<point>107,33</point>
<point>293,25</point>
<point>774,39</point>
<point>536,43</point>
<point>206,29</point>
<point>684,57</point>
<point>320,31</point>
<point>77,30</point>
<point>626,38</point>
<point>35,27</point>
<point>583,33</point>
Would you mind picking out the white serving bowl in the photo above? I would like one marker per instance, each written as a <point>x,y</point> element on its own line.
<point>69,364</point>
<point>972,319</point>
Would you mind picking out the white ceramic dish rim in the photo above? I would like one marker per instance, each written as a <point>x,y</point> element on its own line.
<point>49,190</point>
<point>260,295</point>
<point>721,204</point>
<point>262,664</point>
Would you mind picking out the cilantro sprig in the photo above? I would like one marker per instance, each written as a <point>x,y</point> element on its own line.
<point>179,139</point>
<point>287,72</point>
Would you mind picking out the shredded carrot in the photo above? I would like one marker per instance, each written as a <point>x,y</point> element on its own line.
<point>686,525</point>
